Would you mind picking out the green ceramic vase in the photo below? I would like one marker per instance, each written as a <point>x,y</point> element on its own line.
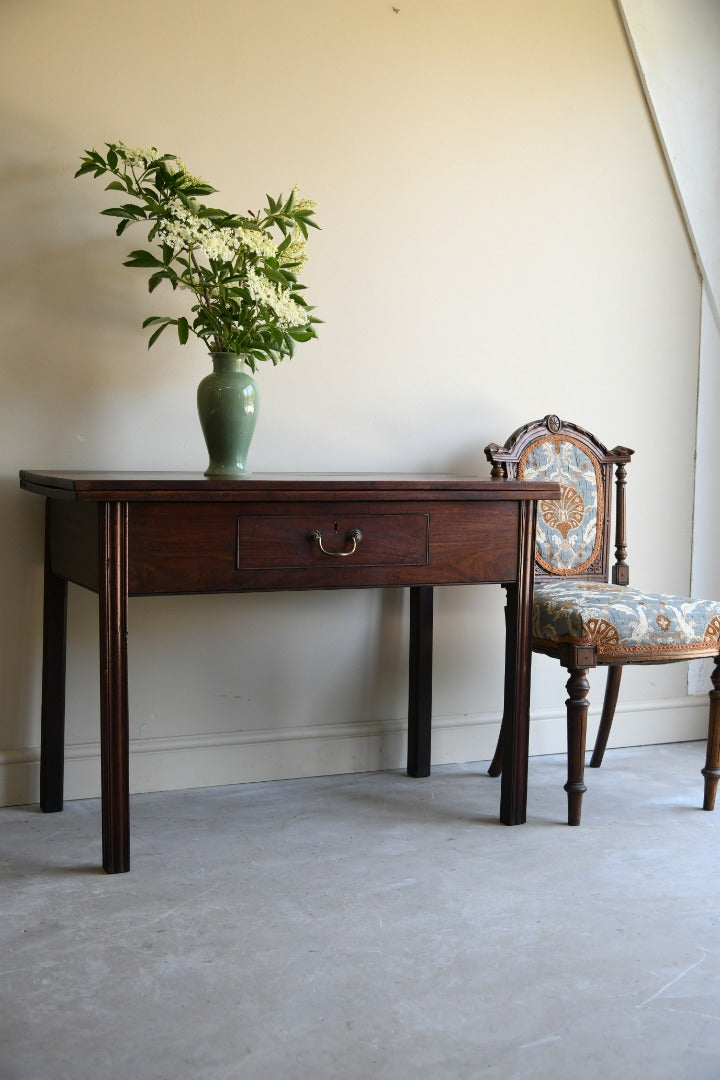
<point>227,401</point>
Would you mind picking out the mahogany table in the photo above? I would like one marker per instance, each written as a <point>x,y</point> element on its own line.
<point>147,534</point>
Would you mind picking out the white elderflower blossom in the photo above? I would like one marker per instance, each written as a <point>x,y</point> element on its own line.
<point>267,294</point>
<point>182,167</point>
<point>302,204</point>
<point>194,233</point>
<point>181,233</point>
<point>180,211</point>
<point>255,240</point>
<point>219,244</point>
<point>182,228</point>
<point>137,155</point>
<point>295,254</point>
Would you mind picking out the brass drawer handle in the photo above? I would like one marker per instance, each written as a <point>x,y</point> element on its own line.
<point>353,535</point>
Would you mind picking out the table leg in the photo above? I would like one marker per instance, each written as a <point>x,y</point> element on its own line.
<point>114,730</point>
<point>518,657</point>
<point>420,696</point>
<point>52,724</point>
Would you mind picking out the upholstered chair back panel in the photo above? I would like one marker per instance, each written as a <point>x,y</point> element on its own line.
<point>570,531</point>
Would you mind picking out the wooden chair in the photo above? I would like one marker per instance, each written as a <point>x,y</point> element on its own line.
<point>579,616</point>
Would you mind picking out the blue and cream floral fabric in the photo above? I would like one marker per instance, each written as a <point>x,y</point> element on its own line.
<point>569,531</point>
<point>623,622</point>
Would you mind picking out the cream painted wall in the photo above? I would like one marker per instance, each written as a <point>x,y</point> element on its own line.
<point>676,44</point>
<point>500,239</point>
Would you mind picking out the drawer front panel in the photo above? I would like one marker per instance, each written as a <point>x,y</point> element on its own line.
<point>221,547</point>
<point>275,542</point>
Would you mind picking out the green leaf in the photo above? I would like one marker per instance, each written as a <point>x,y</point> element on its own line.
<point>86,167</point>
<point>142,259</point>
<point>183,330</point>
<point>274,275</point>
<point>198,188</point>
<point>155,280</point>
<point>306,216</point>
<point>119,211</point>
<point>156,335</point>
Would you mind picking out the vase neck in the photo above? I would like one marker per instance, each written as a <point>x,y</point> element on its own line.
<point>225,361</point>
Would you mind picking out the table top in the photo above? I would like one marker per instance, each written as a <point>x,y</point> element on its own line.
<point>101,486</point>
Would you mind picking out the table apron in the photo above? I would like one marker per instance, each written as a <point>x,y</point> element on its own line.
<point>226,548</point>
<point>174,548</point>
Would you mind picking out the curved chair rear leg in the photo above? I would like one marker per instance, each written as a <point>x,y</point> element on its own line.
<point>711,772</point>
<point>577,708</point>
<point>497,761</point>
<point>612,688</point>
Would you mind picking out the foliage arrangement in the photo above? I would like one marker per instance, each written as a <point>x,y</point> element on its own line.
<point>241,269</point>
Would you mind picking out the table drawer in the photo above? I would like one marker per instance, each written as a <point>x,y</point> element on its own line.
<point>318,537</point>
<point>220,548</point>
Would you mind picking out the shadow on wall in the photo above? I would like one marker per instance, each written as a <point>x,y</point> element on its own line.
<point>71,316</point>
<point>21,587</point>
<point>61,318</point>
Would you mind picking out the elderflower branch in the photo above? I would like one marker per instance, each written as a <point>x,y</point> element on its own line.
<point>241,269</point>
<point>204,295</point>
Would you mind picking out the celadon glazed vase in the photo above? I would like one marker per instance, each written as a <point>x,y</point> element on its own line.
<point>227,402</point>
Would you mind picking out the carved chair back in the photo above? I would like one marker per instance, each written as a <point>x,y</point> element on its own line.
<point>573,533</point>
<point>578,617</point>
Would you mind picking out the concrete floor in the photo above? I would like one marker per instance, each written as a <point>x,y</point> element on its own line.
<point>371,926</point>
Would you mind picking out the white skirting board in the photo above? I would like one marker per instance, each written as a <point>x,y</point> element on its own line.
<point>163,764</point>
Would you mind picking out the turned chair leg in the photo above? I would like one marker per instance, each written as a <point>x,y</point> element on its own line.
<point>612,689</point>
<point>577,708</point>
<point>711,772</point>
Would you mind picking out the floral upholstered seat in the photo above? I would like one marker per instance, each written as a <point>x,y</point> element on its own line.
<point>623,624</point>
<point>581,618</point>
